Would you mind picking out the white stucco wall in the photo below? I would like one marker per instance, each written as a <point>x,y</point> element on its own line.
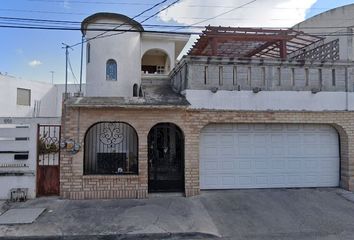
<point>333,22</point>
<point>270,100</point>
<point>125,50</point>
<point>60,89</point>
<point>49,95</point>
<point>8,97</point>
<point>166,46</point>
<point>29,179</point>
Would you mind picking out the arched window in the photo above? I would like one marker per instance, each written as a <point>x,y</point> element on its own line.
<point>88,52</point>
<point>111,70</point>
<point>135,90</point>
<point>111,148</point>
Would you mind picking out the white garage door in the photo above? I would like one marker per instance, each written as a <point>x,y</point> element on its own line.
<point>268,156</point>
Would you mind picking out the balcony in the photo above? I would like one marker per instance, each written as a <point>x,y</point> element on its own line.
<point>238,74</point>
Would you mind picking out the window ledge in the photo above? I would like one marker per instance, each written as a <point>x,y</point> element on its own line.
<point>127,176</point>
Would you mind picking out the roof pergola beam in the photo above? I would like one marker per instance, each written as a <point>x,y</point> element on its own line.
<point>250,37</point>
<point>259,49</point>
<point>249,42</point>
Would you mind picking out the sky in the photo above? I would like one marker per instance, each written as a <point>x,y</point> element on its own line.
<point>34,54</point>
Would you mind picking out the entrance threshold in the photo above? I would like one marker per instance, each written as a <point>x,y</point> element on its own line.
<point>165,194</point>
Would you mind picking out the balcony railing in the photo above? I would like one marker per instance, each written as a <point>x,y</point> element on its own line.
<point>207,73</point>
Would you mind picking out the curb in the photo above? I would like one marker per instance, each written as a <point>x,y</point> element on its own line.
<point>144,236</point>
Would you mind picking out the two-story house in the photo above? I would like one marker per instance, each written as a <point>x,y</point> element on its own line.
<point>246,108</point>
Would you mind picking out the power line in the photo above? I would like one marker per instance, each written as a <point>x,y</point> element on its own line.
<point>168,6</point>
<point>72,73</point>
<point>39,11</point>
<point>103,33</point>
<point>92,29</point>
<point>52,21</point>
<point>110,24</point>
<point>324,34</point>
<point>146,19</point>
<point>149,4</point>
<point>223,13</point>
<point>95,2</point>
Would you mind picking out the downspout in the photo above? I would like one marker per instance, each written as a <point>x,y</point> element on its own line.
<point>349,58</point>
<point>346,90</point>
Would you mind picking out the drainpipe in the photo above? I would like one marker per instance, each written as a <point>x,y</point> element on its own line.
<point>346,90</point>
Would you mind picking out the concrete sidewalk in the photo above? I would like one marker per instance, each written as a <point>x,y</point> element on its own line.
<point>155,217</point>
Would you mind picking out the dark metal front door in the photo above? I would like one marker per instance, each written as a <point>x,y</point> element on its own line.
<point>166,158</point>
<point>48,157</point>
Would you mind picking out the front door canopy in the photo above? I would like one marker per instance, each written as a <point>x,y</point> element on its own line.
<point>251,42</point>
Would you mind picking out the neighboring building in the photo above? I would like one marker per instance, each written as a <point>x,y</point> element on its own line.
<point>30,113</point>
<point>247,108</point>
<point>23,98</point>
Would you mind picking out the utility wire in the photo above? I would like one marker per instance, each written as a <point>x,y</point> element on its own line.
<point>39,11</point>
<point>149,4</point>
<point>146,19</point>
<point>95,2</point>
<point>13,20</point>
<point>73,74</point>
<point>223,13</point>
<point>91,29</point>
<point>324,34</point>
<point>163,9</point>
<point>103,33</point>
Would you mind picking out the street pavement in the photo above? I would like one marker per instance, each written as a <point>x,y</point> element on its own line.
<point>318,213</point>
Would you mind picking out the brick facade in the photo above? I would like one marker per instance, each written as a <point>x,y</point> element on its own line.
<point>76,121</point>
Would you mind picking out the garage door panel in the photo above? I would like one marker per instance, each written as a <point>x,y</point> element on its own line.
<point>227,165</point>
<point>246,164</point>
<point>228,181</point>
<point>227,139</point>
<point>293,127</point>
<point>269,155</point>
<point>275,127</point>
<point>242,127</point>
<point>210,165</point>
<point>226,151</point>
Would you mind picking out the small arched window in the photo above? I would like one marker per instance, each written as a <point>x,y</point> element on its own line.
<point>88,52</point>
<point>135,90</point>
<point>111,70</point>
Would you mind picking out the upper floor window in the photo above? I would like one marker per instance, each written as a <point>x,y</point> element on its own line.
<point>23,97</point>
<point>111,70</point>
<point>88,52</point>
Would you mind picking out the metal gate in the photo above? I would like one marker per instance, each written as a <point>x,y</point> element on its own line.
<point>48,157</point>
<point>166,158</point>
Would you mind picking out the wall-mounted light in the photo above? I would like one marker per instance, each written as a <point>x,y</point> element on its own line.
<point>214,89</point>
<point>315,90</point>
<point>256,89</point>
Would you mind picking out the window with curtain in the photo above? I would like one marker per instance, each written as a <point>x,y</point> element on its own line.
<point>111,148</point>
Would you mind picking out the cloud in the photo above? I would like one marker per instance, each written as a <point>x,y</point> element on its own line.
<point>19,51</point>
<point>34,63</point>
<point>66,4</point>
<point>262,13</point>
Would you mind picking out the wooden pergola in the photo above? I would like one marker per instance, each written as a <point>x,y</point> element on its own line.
<point>251,42</point>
